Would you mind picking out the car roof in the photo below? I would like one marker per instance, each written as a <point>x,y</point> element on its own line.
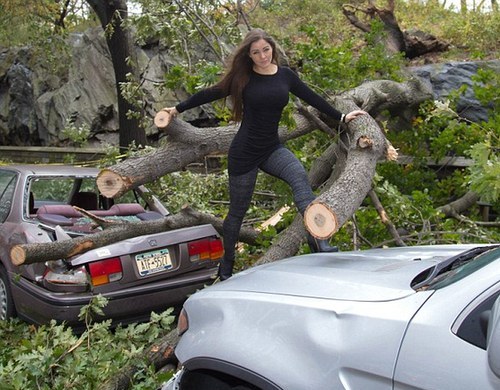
<point>368,275</point>
<point>51,169</point>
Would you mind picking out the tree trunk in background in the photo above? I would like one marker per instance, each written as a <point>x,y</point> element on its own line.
<point>463,6</point>
<point>111,14</point>
<point>412,44</point>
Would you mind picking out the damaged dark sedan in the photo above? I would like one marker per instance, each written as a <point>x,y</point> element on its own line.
<point>137,275</point>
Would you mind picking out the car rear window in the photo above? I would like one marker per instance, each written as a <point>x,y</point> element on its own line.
<point>64,190</point>
<point>55,190</point>
<point>7,186</point>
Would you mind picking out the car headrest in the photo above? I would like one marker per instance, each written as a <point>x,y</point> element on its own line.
<point>126,209</point>
<point>59,209</point>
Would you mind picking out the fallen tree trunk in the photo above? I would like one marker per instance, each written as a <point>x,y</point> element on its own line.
<point>185,144</point>
<point>362,145</point>
<point>361,148</point>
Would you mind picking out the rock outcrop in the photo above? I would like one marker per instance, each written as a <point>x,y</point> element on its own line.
<point>35,106</point>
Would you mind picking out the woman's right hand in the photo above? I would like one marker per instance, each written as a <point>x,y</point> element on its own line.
<point>172,111</point>
<point>163,117</point>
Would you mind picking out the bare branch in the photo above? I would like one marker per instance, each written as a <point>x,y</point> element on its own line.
<point>385,218</point>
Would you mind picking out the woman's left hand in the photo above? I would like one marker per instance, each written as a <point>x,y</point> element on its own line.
<point>354,114</point>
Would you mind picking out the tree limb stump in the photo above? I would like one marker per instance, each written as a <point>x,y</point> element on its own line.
<point>159,354</point>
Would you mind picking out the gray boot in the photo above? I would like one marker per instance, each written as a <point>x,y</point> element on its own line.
<point>225,269</point>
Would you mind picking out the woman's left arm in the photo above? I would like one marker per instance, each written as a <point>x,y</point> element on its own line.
<point>302,91</point>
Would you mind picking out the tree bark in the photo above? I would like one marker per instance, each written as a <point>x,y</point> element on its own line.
<point>460,205</point>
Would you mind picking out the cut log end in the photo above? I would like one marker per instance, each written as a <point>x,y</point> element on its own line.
<point>320,220</point>
<point>110,184</point>
<point>17,255</point>
<point>162,119</point>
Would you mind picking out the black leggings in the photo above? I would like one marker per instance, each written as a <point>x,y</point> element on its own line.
<point>281,164</point>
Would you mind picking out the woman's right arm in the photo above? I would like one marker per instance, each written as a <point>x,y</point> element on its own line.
<point>202,97</point>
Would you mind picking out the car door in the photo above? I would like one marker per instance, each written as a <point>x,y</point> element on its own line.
<point>445,344</point>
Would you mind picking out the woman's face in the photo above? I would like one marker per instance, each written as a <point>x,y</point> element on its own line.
<point>261,53</point>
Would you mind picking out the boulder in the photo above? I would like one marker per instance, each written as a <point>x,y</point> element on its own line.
<point>448,77</point>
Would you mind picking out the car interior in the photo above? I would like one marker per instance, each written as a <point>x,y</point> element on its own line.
<point>55,204</point>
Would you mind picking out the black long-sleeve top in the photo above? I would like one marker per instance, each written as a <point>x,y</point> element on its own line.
<point>264,98</point>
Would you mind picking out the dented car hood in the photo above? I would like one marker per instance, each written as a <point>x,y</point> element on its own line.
<point>388,274</point>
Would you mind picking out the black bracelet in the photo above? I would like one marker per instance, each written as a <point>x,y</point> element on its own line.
<point>343,118</point>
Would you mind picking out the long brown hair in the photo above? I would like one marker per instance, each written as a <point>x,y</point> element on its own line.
<point>240,67</point>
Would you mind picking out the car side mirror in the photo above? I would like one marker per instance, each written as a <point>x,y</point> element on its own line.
<point>493,338</point>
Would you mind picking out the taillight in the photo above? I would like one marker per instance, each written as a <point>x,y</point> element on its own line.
<point>105,271</point>
<point>205,249</point>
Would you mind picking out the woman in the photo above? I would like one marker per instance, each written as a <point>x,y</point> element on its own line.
<point>259,89</point>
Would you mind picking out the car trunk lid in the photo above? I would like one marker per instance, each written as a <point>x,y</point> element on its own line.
<point>135,253</point>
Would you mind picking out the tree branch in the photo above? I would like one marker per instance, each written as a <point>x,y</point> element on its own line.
<point>385,219</point>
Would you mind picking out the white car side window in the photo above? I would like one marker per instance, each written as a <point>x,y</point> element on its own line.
<point>472,324</point>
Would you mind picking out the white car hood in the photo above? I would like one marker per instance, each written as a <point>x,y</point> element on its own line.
<point>370,276</point>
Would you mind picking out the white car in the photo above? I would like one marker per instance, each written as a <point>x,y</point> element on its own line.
<point>424,317</point>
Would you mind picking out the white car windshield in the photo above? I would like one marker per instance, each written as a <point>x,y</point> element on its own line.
<point>461,266</point>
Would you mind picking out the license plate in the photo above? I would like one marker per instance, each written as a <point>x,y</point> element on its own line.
<point>153,262</point>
